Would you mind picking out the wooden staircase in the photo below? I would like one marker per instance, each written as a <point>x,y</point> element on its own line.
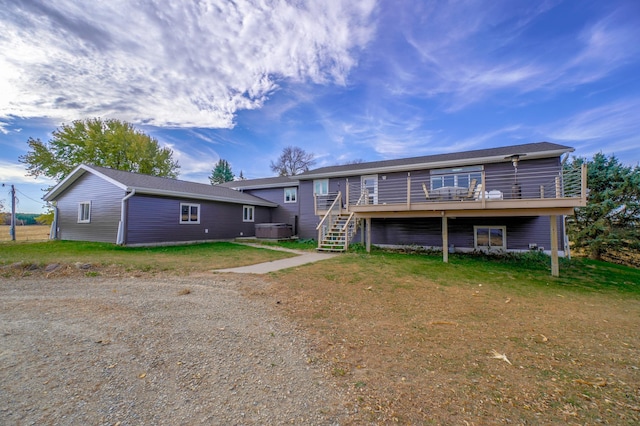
<point>337,236</point>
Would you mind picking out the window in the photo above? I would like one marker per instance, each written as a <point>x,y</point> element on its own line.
<point>490,237</point>
<point>321,187</point>
<point>189,213</point>
<point>460,177</point>
<point>291,195</point>
<point>84,212</point>
<point>247,213</point>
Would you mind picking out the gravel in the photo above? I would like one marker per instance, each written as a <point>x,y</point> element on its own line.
<point>154,351</point>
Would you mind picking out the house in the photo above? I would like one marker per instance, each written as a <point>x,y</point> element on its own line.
<point>511,198</point>
<point>281,190</point>
<point>100,204</point>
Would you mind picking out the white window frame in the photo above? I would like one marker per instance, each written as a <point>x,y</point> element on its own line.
<point>452,177</point>
<point>189,221</point>
<point>248,213</point>
<point>490,247</point>
<point>322,185</point>
<point>81,211</point>
<point>291,195</point>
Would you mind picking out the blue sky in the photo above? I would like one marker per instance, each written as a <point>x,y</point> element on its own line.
<point>344,80</point>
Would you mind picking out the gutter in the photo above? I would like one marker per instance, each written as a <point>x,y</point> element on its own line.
<point>120,237</point>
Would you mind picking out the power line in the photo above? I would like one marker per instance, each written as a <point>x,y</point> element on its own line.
<point>36,201</point>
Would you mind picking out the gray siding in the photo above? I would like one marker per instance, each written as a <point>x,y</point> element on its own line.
<point>285,212</point>
<point>521,231</point>
<point>157,219</point>
<point>105,201</point>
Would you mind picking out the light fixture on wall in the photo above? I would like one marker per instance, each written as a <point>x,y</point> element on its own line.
<point>516,190</point>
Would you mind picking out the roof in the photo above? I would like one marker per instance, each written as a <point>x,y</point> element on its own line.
<point>271,182</point>
<point>154,185</point>
<point>484,156</point>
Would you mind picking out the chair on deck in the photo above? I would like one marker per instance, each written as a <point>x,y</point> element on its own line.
<point>426,192</point>
<point>472,189</point>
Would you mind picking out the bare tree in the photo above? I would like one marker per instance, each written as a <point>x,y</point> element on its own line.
<point>292,161</point>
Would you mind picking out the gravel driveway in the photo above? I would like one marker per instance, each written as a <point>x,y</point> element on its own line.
<point>146,351</point>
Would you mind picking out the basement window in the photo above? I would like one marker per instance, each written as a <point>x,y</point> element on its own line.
<point>490,237</point>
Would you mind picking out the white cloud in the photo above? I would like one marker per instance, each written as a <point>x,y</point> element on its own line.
<point>13,173</point>
<point>170,63</point>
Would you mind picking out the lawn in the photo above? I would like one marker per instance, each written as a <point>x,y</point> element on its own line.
<point>476,341</point>
<point>108,259</point>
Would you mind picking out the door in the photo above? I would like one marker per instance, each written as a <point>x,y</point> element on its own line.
<point>369,185</point>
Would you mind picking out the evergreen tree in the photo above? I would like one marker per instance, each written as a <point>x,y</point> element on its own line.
<point>609,225</point>
<point>221,173</point>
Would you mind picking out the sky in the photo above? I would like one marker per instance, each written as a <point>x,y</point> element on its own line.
<point>345,80</point>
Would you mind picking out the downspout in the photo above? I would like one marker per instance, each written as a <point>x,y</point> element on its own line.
<point>53,233</point>
<point>120,237</point>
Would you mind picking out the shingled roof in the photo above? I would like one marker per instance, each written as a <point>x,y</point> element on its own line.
<point>528,151</point>
<point>154,185</point>
<point>270,182</point>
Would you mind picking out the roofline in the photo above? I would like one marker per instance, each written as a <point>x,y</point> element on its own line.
<point>74,175</point>
<point>178,194</point>
<point>434,165</point>
<point>266,185</point>
<point>83,168</point>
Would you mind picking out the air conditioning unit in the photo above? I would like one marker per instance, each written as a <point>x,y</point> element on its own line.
<point>533,246</point>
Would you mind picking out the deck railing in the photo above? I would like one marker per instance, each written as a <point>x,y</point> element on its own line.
<point>524,184</point>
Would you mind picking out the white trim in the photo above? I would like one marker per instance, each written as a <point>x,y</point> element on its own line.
<point>293,199</point>
<point>248,217</point>
<point>318,181</point>
<point>189,221</point>
<point>74,175</point>
<point>490,247</point>
<point>81,211</point>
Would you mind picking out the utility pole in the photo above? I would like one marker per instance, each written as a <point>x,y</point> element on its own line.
<point>12,229</point>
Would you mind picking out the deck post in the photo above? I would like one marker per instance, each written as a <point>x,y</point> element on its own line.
<point>408,190</point>
<point>346,204</point>
<point>445,240</point>
<point>555,268</point>
<point>368,225</point>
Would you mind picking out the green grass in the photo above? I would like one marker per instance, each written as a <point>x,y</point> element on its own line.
<point>304,245</point>
<point>520,272</point>
<point>194,257</point>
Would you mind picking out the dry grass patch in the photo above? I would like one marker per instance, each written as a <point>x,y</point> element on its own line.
<point>416,341</point>
<point>26,233</point>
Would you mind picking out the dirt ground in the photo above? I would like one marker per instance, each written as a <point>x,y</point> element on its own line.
<point>312,346</point>
<point>142,350</point>
<point>417,352</point>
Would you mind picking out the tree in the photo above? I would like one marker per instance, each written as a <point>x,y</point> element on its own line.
<point>609,224</point>
<point>241,176</point>
<point>108,143</point>
<point>292,161</point>
<point>221,173</point>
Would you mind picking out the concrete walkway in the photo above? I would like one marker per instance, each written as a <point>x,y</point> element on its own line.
<point>303,258</point>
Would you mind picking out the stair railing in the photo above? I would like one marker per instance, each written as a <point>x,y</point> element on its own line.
<point>329,218</point>
<point>348,230</point>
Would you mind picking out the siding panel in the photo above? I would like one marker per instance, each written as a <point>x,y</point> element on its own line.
<point>157,219</point>
<point>105,210</point>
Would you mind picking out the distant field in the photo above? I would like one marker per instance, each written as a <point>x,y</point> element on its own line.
<point>26,233</point>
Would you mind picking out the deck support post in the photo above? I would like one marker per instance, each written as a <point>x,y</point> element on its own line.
<point>368,226</point>
<point>555,268</point>
<point>445,240</point>
<point>408,190</point>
